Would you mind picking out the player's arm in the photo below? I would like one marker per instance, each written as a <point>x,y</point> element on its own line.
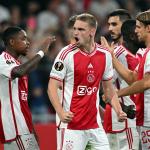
<point>137,87</point>
<point>29,65</point>
<point>110,94</point>
<point>53,87</point>
<point>101,112</point>
<point>128,75</point>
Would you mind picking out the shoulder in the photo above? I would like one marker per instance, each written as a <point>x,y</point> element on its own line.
<point>102,49</point>
<point>71,48</point>
<point>7,59</point>
<point>4,57</point>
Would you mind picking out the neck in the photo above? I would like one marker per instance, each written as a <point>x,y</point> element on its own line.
<point>133,48</point>
<point>89,48</point>
<point>147,42</point>
<point>118,41</point>
<point>12,52</point>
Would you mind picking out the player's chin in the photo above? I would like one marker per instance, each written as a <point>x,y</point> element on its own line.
<point>24,53</point>
<point>114,37</point>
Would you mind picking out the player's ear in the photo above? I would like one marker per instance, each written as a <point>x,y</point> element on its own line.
<point>92,33</point>
<point>11,42</point>
<point>148,27</point>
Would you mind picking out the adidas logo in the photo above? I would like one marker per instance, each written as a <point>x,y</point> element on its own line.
<point>90,66</point>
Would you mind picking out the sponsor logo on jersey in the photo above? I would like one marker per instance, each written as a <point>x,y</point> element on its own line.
<point>84,90</point>
<point>9,62</point>
<point>59,66</point>
<point>24,96</point>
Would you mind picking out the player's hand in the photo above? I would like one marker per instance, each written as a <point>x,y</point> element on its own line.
<point>46,43</point>
<point>66,116</point>
<point>122,116</point>
<point>105,43</point>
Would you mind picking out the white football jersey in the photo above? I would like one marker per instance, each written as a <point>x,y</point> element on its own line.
<point>15,117</point>
<point>81,74</point>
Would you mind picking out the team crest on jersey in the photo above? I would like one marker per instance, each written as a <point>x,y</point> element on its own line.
<point>69,145</point>
<point>90,78</point>
<point>59,66</point>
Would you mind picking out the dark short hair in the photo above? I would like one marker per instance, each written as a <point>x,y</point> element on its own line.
<point>144,17</point>
<point>9,33</point>
<point>90,19</point>
<point>71,21</point>
<point>122,13</point>
<point>128,28</point>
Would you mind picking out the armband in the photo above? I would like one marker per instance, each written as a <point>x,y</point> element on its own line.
<point>41,53</point>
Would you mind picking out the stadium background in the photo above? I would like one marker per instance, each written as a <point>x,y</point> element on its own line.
<point>40,18</point>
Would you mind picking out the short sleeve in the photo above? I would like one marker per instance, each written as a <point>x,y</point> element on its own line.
<point>6,65</point>
<point>59,67</point>
<point>108,73</point>
<point>147,63</point>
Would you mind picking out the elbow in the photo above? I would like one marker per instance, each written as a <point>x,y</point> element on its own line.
<point>17,73</point>
<point>131,78</point>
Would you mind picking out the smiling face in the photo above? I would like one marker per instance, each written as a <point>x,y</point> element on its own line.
<point>19,43</point>
<point>83,33</point>
<point>114,27</point>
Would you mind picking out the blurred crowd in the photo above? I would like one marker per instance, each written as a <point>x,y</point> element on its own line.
<point>41,18</point>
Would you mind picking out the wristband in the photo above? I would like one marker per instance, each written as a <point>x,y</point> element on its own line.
<point>41,53</point>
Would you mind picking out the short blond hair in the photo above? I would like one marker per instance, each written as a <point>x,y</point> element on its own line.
<point>89,18</point>
<point>144,17</point>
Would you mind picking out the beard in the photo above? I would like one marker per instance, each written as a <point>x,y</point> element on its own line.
<point>116,39</point>
<point>141,44</point>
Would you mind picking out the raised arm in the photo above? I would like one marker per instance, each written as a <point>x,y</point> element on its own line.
<point>128,75</point>
<point>53,87</point>
<point>29,65</point>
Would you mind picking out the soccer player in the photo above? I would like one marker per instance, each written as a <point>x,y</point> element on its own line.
<point>140,79</point>
<point>16,126</point>
<point>71,40</point>
<point>115,21</point>
<point>121,135</point>
<point>81,71</point>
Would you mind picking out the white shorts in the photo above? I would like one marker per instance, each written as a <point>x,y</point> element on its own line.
<point>145,137</point>
<point>59,133</point>
<point>78,139</point>
<point>23,142</point>
<point>126,140</point>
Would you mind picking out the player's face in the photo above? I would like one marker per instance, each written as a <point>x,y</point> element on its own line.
<point>140,30</point>
<point>82,33</point>
<point>20,43</point>
<point>114,27</point>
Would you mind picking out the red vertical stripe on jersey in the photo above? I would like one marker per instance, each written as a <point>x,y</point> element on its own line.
<point>107,119</point>
<point>129,137</point>
<point>23,86</point>
<point>84,106</point>
<point>1,127</point>
<point>140,96</point>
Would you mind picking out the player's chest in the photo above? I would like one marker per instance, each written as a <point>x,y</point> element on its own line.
<point>89,66</point>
